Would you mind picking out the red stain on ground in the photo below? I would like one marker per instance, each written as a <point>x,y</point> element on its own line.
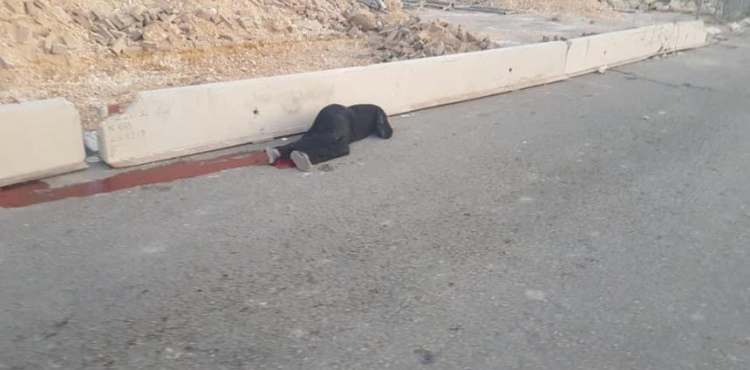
<point>39,192</point>
<point>283,163</point>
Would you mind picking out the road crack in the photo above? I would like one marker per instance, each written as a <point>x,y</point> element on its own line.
<point>633,76</point>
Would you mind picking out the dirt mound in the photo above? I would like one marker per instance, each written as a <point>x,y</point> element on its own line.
<point>29,29</point>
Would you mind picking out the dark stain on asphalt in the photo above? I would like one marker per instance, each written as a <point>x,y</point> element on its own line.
<point>35,192</point>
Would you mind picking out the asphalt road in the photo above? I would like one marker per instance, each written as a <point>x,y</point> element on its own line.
<point>599,223</point>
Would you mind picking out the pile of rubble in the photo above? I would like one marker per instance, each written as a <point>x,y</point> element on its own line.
<point>417,39</point>
<point>156,28</point>
<point>140,28</point>
<point>26,27</point>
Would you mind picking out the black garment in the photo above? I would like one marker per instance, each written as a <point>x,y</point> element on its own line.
<point>337,126</point>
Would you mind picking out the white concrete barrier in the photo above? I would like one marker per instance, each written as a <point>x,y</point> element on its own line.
<point>39,139</point>
<point>174,122</point>
<point>588,54</point>
<point>180,121</point>
<point>690,35</point>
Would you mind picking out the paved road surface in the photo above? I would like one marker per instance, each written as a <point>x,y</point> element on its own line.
<point>553,228</point>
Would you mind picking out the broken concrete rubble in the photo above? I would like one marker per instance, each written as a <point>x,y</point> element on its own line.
<point>58,48</point>
<point>119,46</point>
<point>417,39</point>
<point>364,21</point>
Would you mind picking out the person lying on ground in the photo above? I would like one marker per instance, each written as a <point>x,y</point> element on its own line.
<point>334,128</point>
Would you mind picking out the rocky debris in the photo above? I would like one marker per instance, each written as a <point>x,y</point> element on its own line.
<point>118,47</point>
<point>58,48</point>
<point>166,27</point>
<point>417,39</point>
<point>25,25</point>
<point>138,26</point>
<point>364,21</point>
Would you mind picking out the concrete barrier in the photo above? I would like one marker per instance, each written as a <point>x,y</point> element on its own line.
<point>39,139</point>
<point>690,35</point>
<point>587,54</point>
<point>180,121</point>
<point>175,122</point>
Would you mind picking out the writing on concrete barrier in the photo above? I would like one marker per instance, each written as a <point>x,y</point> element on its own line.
<point>120,132</point>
